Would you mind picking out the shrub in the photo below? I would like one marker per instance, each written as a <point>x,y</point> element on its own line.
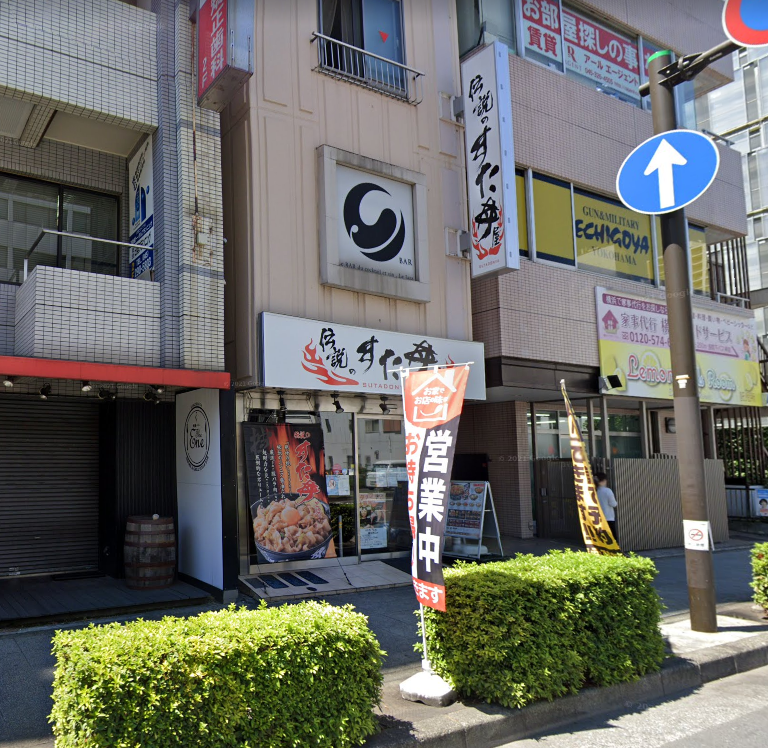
<point>540,627</point>
<point>760,573</point>
<point>296,675</point>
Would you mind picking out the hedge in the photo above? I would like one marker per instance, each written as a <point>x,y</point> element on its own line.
<point>540,627</point>
<point>760,573</point>
<point>290,676</point>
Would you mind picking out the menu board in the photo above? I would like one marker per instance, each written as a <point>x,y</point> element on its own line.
<point>465,510</point>
<point>374,520</point>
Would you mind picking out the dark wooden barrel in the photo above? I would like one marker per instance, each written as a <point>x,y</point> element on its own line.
<point>149,553</point>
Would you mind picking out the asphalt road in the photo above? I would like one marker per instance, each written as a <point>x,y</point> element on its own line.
<point>729,713</point>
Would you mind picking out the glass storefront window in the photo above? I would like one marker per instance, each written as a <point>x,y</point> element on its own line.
<point>338,438</point>
<point>383,480</point>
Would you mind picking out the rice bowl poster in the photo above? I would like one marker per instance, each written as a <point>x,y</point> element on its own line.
<point>633,338</point>
<point>285,474</point>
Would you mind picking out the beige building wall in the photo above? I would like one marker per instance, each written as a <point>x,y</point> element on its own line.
<point>270,135</point>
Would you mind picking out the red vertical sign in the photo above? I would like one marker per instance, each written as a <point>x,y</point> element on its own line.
<point>432,402</point>
<point>211,43</point>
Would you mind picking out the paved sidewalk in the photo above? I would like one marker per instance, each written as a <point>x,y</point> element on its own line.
<point>26,665</point>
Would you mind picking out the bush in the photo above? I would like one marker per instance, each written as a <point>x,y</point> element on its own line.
<point>540,627</point>
<point>297,675</point>
<point>760,573</point>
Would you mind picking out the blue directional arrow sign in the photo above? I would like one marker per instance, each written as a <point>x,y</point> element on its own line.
<point>668,172</point>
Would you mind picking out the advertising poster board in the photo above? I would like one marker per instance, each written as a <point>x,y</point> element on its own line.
<point>285,471</point>
<point>374,520</point>
<point>142,229</point>
<point>633,339</point>
<point>466,507</point>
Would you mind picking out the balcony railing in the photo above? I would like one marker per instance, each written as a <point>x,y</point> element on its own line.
<point>728,272</point>
<point>75,254</point>
<point>345,62</point>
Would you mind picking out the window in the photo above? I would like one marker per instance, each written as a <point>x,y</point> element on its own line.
<point>553,220</point>
<point>540,22</point>
<point>372,426</point>
<point>522,212</point>
<point>27,206</point>
<point>358,30</point>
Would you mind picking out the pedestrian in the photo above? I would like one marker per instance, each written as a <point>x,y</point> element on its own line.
<point>607,501</point>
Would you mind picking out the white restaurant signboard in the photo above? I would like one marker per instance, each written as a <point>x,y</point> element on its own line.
<point>490,161</point>
<point>308,354</point>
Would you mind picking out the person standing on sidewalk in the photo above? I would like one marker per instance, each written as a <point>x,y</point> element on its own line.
<point>607,501</point>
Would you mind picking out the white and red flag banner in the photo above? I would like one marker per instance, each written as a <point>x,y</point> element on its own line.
<point>432,401</point>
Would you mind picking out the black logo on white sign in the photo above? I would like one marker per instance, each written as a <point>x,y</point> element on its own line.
<point>197,437</point>
<point>380,241</point>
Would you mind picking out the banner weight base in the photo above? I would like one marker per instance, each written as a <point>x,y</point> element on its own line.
<point>429,689</point>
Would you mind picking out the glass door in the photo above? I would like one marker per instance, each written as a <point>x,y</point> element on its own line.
<point>383,485</point>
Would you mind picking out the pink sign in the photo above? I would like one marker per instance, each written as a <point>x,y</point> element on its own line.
<point>602,55</point>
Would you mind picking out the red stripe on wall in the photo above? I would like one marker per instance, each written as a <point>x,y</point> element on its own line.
<point>44,368</point>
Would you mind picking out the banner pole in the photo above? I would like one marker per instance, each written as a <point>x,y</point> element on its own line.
<point>425,665</point>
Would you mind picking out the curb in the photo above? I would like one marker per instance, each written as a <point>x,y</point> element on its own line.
<point>487,725</point>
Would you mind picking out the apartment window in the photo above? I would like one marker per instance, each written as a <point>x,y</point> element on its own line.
<point>360,27</point>
<point>469,24</point>
<point>750,92</point>
<point>27,206</point>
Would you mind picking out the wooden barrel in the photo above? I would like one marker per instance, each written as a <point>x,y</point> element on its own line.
<point>149,553</point>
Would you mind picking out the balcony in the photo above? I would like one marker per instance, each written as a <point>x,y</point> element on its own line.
<point>345,62</point>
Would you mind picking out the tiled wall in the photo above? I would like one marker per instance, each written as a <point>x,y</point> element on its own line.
<point>500,431</point>
<point>66,314</point>
<point>546,313</point>
<point>7,318</point>
<point>94,58</point>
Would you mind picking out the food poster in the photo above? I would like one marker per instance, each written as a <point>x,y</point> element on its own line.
<point>465,510</point>
<point>374,520</point>
<point>285,472</point>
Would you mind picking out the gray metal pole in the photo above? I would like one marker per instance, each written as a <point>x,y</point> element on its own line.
<point>690,447</point>
<point>645,451</point>
<point>604,427</point>
<point>591,440</point>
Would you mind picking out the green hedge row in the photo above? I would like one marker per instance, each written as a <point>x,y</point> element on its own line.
<point>540,627</point>
<point>290,676</point>
<point>760,573</point>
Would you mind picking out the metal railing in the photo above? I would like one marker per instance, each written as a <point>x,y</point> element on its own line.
<point>346,62</point>
<point>728,272</point>
<point>70,235</point>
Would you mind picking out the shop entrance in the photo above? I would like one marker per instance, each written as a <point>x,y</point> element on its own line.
<point>49,487</point>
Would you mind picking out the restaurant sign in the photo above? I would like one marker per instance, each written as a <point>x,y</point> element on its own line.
<point>308,354</point>
<point>490,161</point>
<point>633,337</point>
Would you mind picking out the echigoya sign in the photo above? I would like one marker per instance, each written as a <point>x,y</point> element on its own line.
<point>598,234</point>
<point>633,338</point>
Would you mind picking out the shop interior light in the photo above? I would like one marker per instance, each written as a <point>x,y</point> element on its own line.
<point>44,391</point>
<point>86,387</point>
<point>384,407</point>
<point>336,402</point>
<point>8,381</point>
<point>105,394</point>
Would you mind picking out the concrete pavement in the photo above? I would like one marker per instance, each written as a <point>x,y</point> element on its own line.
<point>26,665</point>
<point>728,713</point>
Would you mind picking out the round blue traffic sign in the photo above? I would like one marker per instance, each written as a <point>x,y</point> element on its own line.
<point>668,172</point>
<point>746,22</point>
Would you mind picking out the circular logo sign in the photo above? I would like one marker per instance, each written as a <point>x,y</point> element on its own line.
<point>696,535</point>
<point>197,437</point>
<point>380,241</point>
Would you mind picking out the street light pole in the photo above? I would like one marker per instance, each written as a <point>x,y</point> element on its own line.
<point>690,444</point>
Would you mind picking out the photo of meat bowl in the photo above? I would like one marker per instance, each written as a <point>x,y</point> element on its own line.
<point>289,529</point>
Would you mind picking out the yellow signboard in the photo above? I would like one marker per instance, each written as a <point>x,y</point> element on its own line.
<point>633,338</point>
<point>612,239</point>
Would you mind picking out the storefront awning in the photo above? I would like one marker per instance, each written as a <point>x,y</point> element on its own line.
<point>46,368</point>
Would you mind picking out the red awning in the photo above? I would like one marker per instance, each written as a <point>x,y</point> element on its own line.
<point>46,368</point>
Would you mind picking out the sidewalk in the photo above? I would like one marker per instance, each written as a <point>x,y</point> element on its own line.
<point>26,666</point>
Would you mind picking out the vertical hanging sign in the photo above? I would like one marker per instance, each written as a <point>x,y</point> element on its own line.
<point>490,161</point>
<point>142,221</point>
<point>594,527</point>
<point>211,43</point>
<point>432,401</point>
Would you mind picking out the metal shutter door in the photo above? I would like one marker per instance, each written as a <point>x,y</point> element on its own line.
<point>49,486</point>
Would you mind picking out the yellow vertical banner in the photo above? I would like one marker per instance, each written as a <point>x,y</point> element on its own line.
<point>598,537</point>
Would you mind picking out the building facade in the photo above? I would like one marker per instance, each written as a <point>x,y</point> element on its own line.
<point>111,287</point>
<point>588,298</point>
